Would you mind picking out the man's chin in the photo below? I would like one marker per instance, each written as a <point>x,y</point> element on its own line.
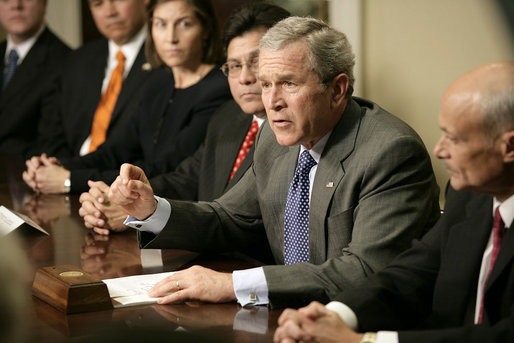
<point>458,185</point>
<point>251,108</point>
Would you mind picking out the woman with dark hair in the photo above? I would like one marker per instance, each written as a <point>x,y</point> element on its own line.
<point>186,87</point>
<point>211,48</point>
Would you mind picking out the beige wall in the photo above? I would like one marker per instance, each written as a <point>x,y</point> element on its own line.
<point>413,49</point>
<point>64,18</point>
<point>408,50</point>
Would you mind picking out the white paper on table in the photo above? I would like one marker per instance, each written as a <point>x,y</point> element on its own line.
<point>133,290</point>
<point>11,220</point>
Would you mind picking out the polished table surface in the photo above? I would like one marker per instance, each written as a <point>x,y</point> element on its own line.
<point>70,242</point>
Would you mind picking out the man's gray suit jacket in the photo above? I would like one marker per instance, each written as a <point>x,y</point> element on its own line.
<point>374,191</point>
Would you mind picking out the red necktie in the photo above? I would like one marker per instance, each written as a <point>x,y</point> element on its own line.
<point>247,144</point>
<point>498,232</point>
<point>104,110</point>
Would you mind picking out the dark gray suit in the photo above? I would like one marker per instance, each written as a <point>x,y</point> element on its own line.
<point>30,93</point>
<point>384,194</point>
<point>204,175</point>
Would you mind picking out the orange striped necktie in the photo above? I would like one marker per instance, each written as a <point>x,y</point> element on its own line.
<point>247,144</point>
<point>105,108</point>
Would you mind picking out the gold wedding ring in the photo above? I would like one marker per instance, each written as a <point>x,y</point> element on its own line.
<point>177,284</point>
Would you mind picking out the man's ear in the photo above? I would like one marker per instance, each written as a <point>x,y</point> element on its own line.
<point>339,87</point>
<point>508,146</point>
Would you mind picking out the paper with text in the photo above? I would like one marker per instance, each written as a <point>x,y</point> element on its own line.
<point>133,290</point>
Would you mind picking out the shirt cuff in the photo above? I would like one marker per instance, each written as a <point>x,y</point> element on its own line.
<point>156,222</point>
<point>349,317</point>
<point>250,286</point>
<point>346,313</point>
<point>387,337</point>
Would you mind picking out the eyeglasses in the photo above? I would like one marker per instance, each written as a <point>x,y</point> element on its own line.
<point>233,68</point>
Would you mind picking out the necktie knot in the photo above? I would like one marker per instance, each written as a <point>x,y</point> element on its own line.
<point>306,163</point>
<point>498,224</point>
<point>13,56</point>
<point>120,57</point>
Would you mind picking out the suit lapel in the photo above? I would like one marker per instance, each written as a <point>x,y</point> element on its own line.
<point>329,174</point>
<point>504,257</point>
<point>238,130</point>
<point>282,169</point>
<point>460,267</point>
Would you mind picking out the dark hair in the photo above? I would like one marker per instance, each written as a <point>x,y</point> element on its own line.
<point>205,13</point>
<point>251,17</point>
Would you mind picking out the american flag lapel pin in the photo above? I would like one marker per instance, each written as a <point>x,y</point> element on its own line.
<point>329,184</point>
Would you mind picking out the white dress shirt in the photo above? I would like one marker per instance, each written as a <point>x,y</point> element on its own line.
<point>130,50</point>
<point>507,214</point>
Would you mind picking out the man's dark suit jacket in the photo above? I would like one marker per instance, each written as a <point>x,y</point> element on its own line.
<point>65,130</point>
<point>29,93</point>
<point>204,175</point>
<point>433,285</point>
<point>374,191</point>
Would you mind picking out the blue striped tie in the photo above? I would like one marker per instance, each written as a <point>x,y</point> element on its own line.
<point>10,67</point>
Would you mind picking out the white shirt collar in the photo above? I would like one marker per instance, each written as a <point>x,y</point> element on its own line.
<point>317,149</point>
<point>259,120</point>
<point>506,209</point>
<point>23,48</point>
<point>130,50</point>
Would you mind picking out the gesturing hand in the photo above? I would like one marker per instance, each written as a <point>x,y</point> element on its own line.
<point>133,193</point>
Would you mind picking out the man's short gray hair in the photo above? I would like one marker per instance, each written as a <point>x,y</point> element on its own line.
<point>498,112</point>
<point>330,53</point>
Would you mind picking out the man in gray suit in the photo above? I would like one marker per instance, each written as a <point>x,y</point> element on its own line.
<point>370,192</point>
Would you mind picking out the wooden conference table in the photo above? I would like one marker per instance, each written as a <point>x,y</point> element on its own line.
<point>70,242</point>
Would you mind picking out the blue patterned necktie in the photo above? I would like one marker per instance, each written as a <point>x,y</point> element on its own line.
<point>10,67</point>
<point>296,221</point>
